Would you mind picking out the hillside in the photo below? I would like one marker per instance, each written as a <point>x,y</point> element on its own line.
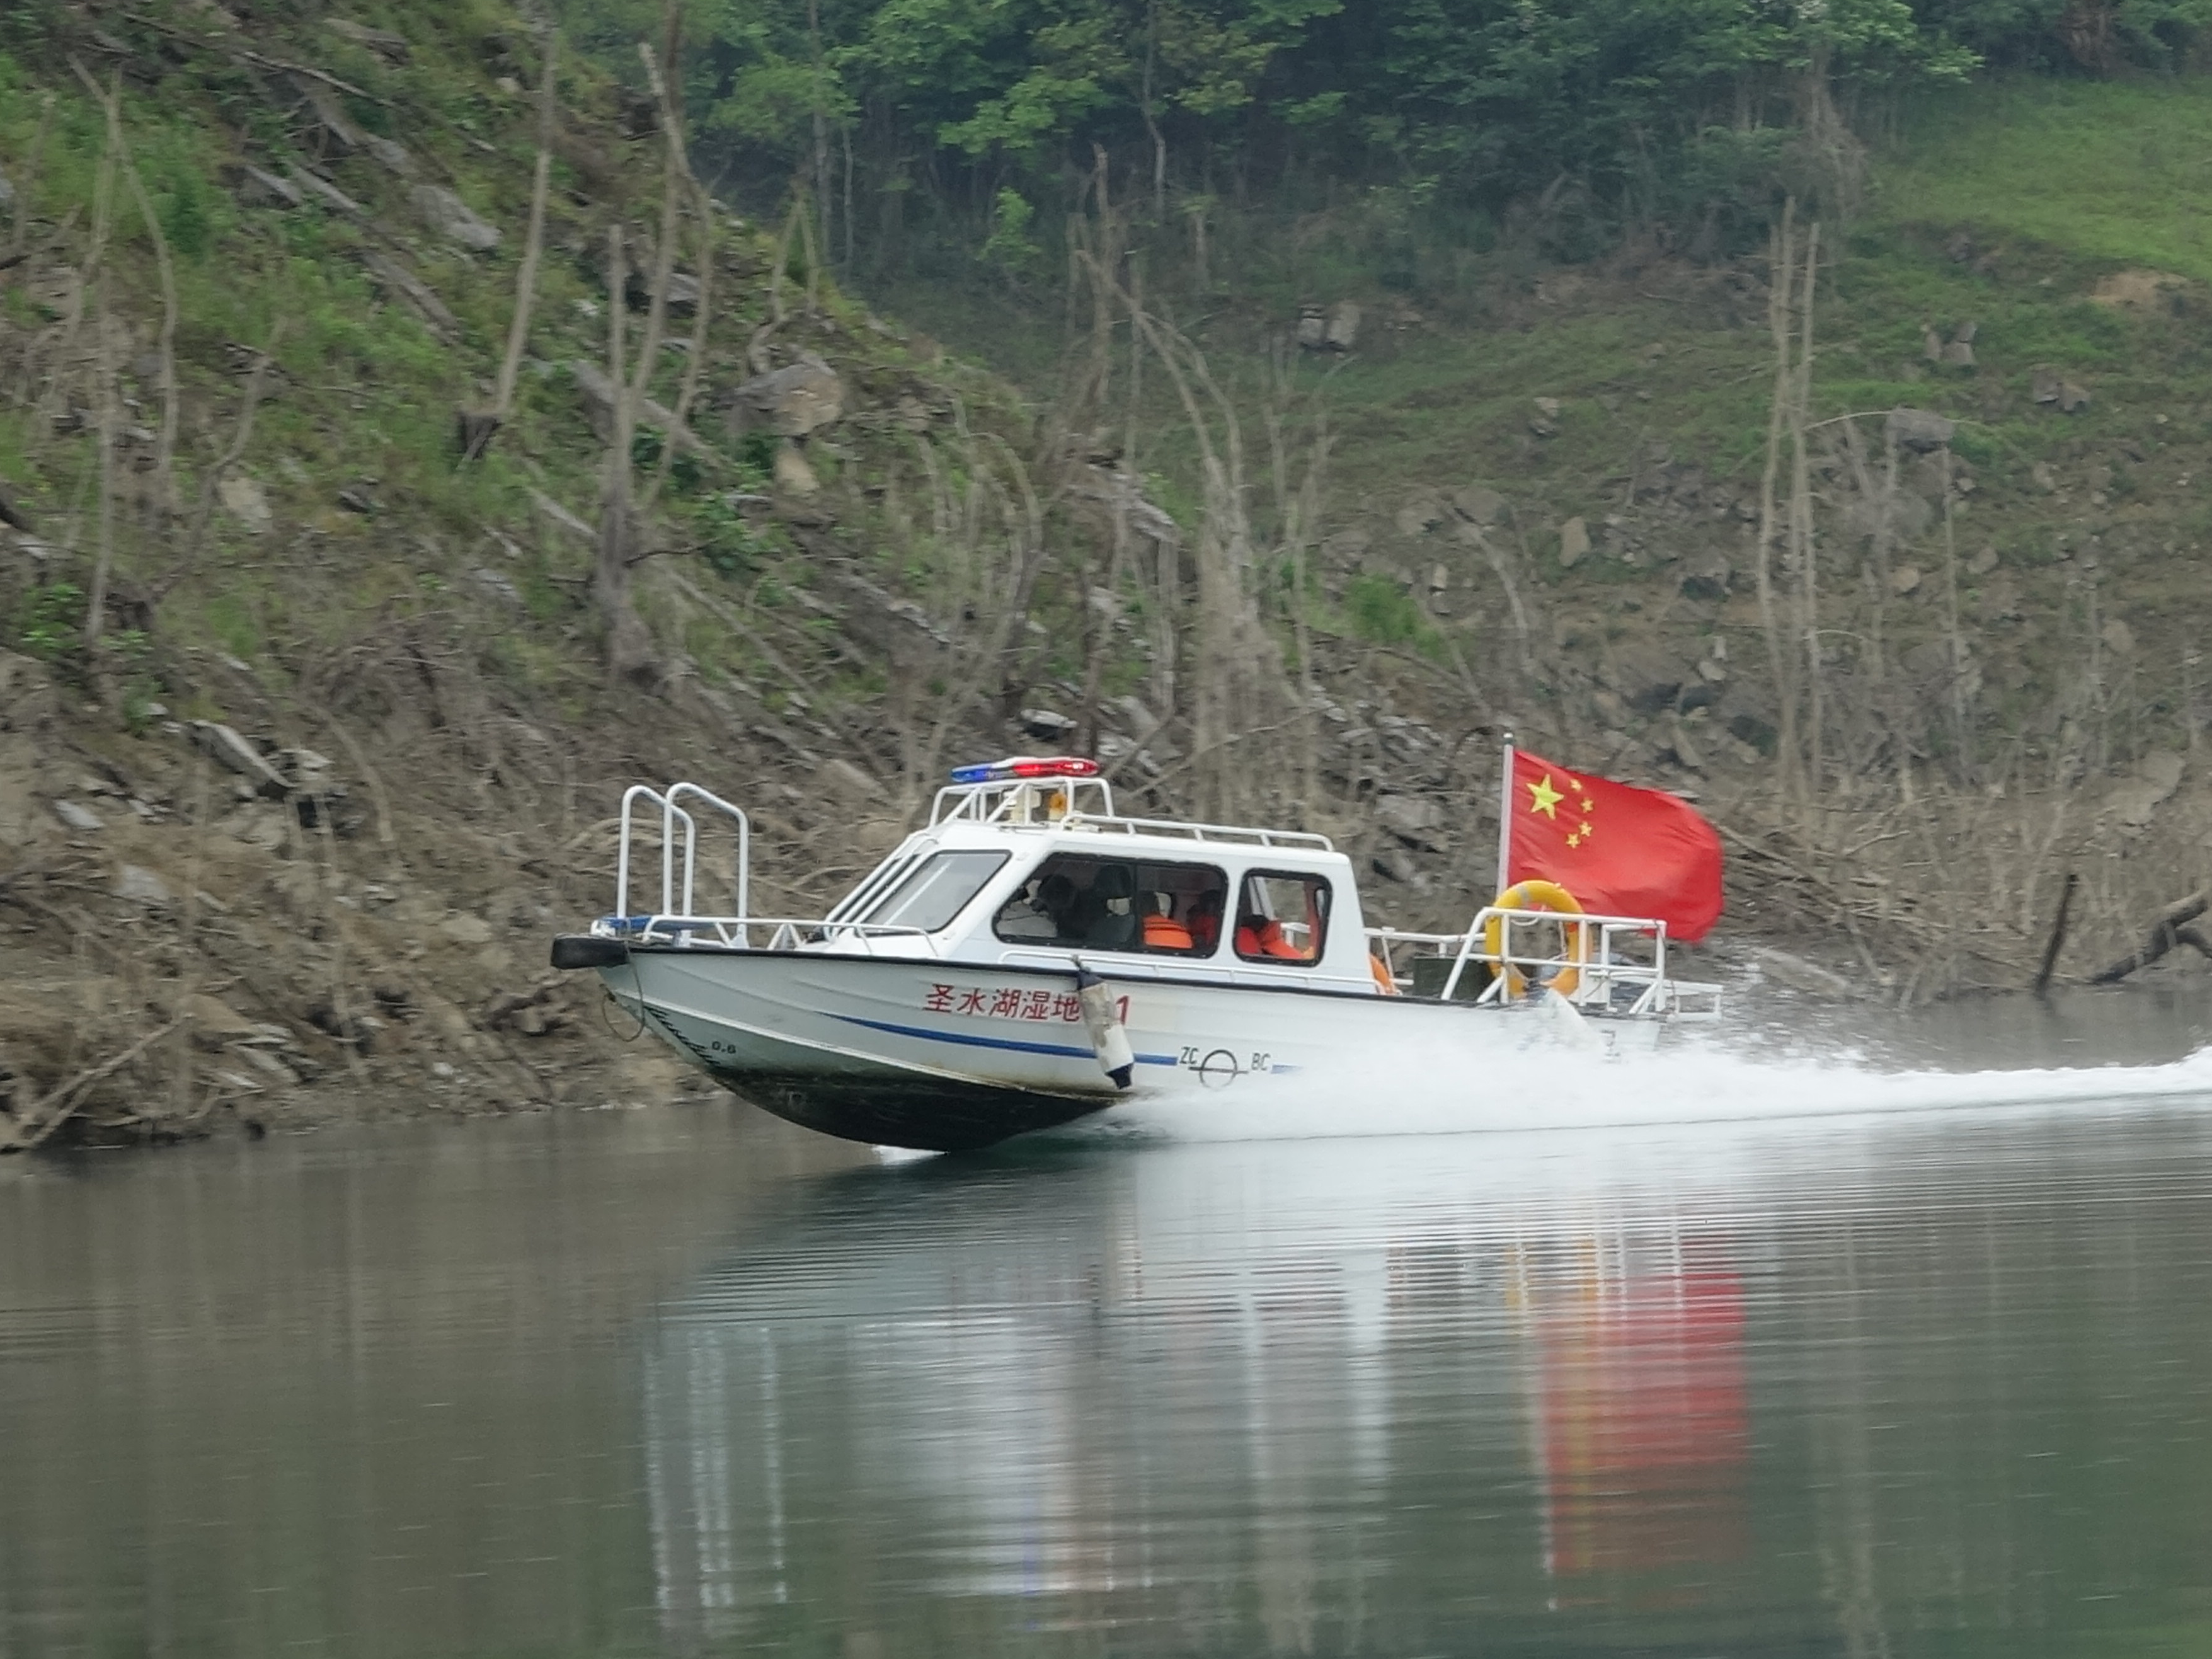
<point>300,801</point>
<point>288,809</point>
<point>1544,511</point>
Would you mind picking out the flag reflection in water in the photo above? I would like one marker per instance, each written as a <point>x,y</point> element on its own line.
<point>1641,1421</point>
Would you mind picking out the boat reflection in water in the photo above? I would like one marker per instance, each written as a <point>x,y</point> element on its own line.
<point>1253,1397</point>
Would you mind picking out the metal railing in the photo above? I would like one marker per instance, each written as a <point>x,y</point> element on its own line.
<point>1015,804</point>
<point>1173,828</point>
<point>1619,962</point>
<point>670,816</point>
<point>1011,802</point>
<point>755,933</point>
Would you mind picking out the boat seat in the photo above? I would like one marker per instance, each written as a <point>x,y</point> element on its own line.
<point>1105,927</point>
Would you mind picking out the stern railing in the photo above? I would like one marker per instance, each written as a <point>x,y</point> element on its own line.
<point>1619,962</point>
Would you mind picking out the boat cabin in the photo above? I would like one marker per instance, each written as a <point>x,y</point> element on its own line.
<point>1026,862</point>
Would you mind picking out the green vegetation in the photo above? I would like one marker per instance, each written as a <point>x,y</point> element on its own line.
<point>2108,172</point>
<point>923,129</point>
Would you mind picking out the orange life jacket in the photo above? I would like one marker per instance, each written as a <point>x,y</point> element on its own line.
<point>1166,933</point>
<point>1265,940</point>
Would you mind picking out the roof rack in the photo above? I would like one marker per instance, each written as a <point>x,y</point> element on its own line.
<point>1239,833</point>
<point>1064,803</point>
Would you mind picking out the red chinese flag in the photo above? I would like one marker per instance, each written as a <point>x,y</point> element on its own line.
<point>1621,851</point>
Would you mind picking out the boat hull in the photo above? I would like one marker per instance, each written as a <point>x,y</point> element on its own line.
<point>945,1057</point>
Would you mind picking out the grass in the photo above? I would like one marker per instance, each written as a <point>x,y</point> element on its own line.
<point>2111,172</point>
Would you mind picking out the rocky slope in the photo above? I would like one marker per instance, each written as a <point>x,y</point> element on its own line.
<point>288,809</point>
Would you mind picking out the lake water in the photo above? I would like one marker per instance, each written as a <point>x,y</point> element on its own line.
<point>1906,1381</point>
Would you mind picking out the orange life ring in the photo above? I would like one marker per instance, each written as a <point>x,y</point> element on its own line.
<point>1537,894</point>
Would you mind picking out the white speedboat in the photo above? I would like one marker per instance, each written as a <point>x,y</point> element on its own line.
<point>1032,955</point>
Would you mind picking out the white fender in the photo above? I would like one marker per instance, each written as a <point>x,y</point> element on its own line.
<point>1102,1020</point>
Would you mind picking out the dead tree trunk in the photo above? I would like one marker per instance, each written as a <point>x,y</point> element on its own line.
<point>2057,939</point>
<point>2171,928</point>
<point>475,429</point>
<point>629,648</point>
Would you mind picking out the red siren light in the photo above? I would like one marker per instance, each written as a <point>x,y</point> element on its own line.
<point>1026,766</point>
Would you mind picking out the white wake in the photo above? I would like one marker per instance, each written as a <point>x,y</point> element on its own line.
<point>1407,1092</point>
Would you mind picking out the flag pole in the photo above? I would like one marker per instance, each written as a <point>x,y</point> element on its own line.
<point>1505,816</point>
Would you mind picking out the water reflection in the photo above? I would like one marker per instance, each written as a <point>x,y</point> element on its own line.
<point>1928,1385</point>
<point>1422,1397</point>
<point>1642,1421</point>
<point>1266,1390</point>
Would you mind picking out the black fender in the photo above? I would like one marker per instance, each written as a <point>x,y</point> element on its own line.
<point>588,950</point>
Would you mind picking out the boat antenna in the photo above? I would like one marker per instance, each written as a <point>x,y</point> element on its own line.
<point>1506,814</point>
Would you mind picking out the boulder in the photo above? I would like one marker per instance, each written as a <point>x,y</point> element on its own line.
<point>467,930</point>
<point>2158,774</point>
<point>136,884</point>
<point>682,292</point>
<point>82,819</point>
<point>1709,583</point>
<point>793,476</point>
<point>394,158</point>
<point>2119,639</point>
<point>1646,674</point>
<point>1392,864</point>
<point>2072,399</point>
<point>1479,506</point>
<point>223,745</point>
<point>1414,819</point>
<point>1048,725</point>
<point>1312,332</point>
<point>793,400</point>
<point>449,216</point>
<point>1574,542</point>
<point>1905,579</point>
<point>1919,429</point>
<point>246,502</point>
<point>1343,331</point>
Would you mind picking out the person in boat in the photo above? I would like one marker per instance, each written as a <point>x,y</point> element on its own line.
<point>1162,931</point>
<point>1204,921</point>
<point>1260,938</point>
<point>1052,904</point>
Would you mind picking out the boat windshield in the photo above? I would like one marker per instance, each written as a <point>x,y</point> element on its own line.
<point>934,892</point>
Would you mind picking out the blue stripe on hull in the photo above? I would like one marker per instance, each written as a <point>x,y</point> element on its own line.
<point>1058,1048</point>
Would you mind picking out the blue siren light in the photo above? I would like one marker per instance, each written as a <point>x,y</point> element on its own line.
<point>1025,765</point>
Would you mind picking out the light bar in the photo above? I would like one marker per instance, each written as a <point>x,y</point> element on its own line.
<point>1026,766</point>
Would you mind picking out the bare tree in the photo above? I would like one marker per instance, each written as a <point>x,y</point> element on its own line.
<point>478,429</point>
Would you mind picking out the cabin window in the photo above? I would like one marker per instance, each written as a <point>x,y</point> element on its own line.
<point>937,891</point>
<point>1118,904</point>
<point>1282,919</point>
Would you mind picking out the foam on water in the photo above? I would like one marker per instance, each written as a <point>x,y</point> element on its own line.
<point>1406,1091</point>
